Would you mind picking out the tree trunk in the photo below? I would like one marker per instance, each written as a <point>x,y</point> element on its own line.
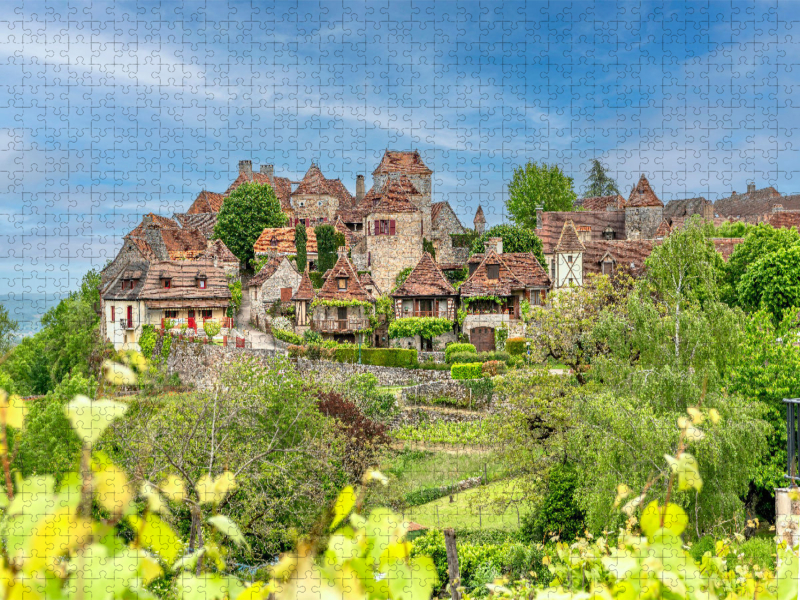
<point>452,562</point>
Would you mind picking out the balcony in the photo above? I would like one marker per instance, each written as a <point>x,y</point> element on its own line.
<point>350,325</point>
<point>126,324</point>
<point>224,322</point>
<point>439,314</point>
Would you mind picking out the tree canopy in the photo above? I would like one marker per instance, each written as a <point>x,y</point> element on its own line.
<point>536,185</point>
<point>326,247</point>
<point>246,212</point>
<point>515,239</point>
<point>598,183</point>
<point>772,282</point>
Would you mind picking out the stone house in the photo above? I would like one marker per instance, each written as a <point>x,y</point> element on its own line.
<point>277,280</point>
<point>318,200</point>
<point>186,292</point>
<point>426,292</point>
<point>279,241</point>
<point>342,307</point>
<point>643,211</point>
<point>493,293</point>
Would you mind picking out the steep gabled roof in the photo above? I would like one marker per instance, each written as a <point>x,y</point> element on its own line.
<point>479,217</point>
<point>367,280</point>
<point>626,254</point>
<point>526,268</point>
<point>284,241</point>
<point>601,202</point>
<point>351,238</point>
<point>642,195</point>
<point>394,199</point>
<point>551,224</point>
<point>479,283</point>
<point>153,220</point>
<point>206,202</point>
<point>355,290</point>
<point>184,244</point>
<point>204,222</point>
<point>281,185</point>
<point>268,270</point>
<point>184,275</point>
<point>314,183</point>
<point>136,272</point>
<point>569,240</point>
<point>426,279</point>
<point>664,229</point>
<point>305,291</point>
<point>400,161</point>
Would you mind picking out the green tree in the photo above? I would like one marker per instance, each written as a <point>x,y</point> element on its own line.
<point>759,241</point>
<point>534,185</point>
<point>250,208</point>
<point>772,283</point>
<point>326,247</point>
<point>300,242</point>
<point>8,327</point>
<point>598,183</point>
<point>515,239</point>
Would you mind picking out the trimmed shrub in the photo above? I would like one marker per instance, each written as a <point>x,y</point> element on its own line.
<point>455,348</point>
<point>296,351</point>
<point>464,357</point>
<point>467,371</point>
<point>559,513</point>
<point>494,367</point>
<point>516,346</point>
<point>382,357</point>
<point>467,357</point>
<point>312,337</point>
<point>287,336</point>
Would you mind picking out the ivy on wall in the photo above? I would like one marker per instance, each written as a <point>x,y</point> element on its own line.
<point>426,327</point>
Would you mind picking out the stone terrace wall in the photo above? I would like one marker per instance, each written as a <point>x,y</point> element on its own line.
<point>199,365</point>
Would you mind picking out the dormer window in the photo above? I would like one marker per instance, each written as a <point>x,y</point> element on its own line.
<point>493,271</point>
<point>342,283</point>
<point>201,283</point>
<point>166,283</point>
<point>274,242</point>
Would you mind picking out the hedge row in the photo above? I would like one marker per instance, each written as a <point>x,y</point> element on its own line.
<point>287,336</point>
<point>467,371</point>
<point>516,346</point>
<point>455,348</point>
<point>470,357</point>
<point>382,357</point>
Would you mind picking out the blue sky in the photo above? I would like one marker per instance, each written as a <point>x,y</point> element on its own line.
<point>112,110</point>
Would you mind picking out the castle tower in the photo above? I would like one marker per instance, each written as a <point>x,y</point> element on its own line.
<point>479,221</point>
<point>395,164</point>
<point>643,212</point>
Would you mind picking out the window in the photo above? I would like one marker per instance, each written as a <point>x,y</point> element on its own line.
<point>536,299</point>
<point>385,227</point>
<point>319,203</point>
<point>112,314</point>
<point>493,271</point>
<point>167,283</point>
<point>201,283</point>
<point>608,267</point>
<point>206,313</point>
<point>569,258</point>
<point>342,283</point>
<point>123,284</point>
<point>553,269</point>
<point>274,242</point>
<point>472,267</point>
<point>170,314</point>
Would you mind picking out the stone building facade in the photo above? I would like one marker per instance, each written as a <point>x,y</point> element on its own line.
<point>277,280</point>
<point>643,212</point>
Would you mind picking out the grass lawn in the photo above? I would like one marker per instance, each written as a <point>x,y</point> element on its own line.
<point>487,507</point>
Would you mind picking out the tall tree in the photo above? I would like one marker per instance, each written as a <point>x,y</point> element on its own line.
<point>326,247</point>
<point>534,185</point>
<point>598,183</point>
<point>251,208</point>
<point>772,283</point>
<point>8,327</point>
<point>300,241</point>
<point>515,239</point>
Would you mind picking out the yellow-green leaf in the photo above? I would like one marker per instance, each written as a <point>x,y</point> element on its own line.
<point>675,520</point>
<point>90,418</point>
<point>173,488</point>
<point>117,374</point>
<point>214,490</point>
<point>687,470</point>
<point>12,410</point>
<point>111,488</point>
<point>55,535</point>
<point>229,528</point>
<point>344,504</point>
<point>157,536</point>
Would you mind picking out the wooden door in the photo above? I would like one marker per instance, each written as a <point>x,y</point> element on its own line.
<point>342,317</point>
<point>192,322</point>
<point>482,338</point>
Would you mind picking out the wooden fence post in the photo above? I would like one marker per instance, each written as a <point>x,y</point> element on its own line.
<point>452,562</point>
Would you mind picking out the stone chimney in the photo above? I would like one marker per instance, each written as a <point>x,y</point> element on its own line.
<point>341,252</point>
<point>751,187</point>
<point>268,170</point>
<point>360,193</point>
<point>246,168</point>
<point>539,211</point>
<point>495,243</point>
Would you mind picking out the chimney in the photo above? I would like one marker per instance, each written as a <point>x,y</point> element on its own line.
<point>246,168</point>
<point>341,251</point>
<point>268,170</point>
<point>777,208</point>
<point>539,210</point>
<point>359,188</point>
<point>495,243</point>
<point>751,187</point>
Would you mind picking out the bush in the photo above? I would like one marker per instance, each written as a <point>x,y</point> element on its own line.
<point>312,337</point>
<point>296,351</point>
<point>383,357</point>
<point>212,328</point>
<point>464,357</point>
<point>467,371</point>
<point>316,279</point>
<point>468,357</point>
<point>454,348</point>
<point>286,336</point>
<point>494,367</point>
<point>559,513</point>
<point>516,346</point>
<point>370,399</point>
<point>433,366</point>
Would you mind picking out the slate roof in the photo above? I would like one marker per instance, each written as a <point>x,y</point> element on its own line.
<point>217,249</point>
<point>628,254</point>
<point>758,202</point>
<point>479,284</point>
<point>281,185</point>
<point>642,195</point>
<point>400,161</point>
<point>183,290</point>
<point>355,290</point>
<point>601,202</point>
<point>367,280</point>
<point>551,223</point>
<point>305,291</point>
<point>436,208</point>
<point>284,238</point>
<point>133,271</point>
<point>527,269</point>
<point>569,241</point>
<point>479,217</point>
<point>154,220</point>
<point>426,279</point>
<point>394,198</point>
<point>184,244</point>
<point>268,270</point>
<point>206,202</point>
<point>687,207</point>
<point>204,222</point>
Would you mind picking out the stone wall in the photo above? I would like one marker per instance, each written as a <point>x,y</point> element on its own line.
<point>434,356</point>
<point>390,254</point>
<point>415,342</point>
<point>270,291</point>
<point>425,392</point>
<point>516,328</point>
<point>422,201</point>
<point>641,223</point>
<point>414,416</point>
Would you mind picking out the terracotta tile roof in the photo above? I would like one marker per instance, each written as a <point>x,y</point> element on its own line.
<point>569,240</point>
<point>351,237</point>
<point>642,195</point>
<point>687,207</point>
<point>755,203</point>
<point>552,223</point>
<point>134,271</point>
<point>206,202</point>
<point>664,229</point>
<point>337,190</point>
<point>151,219</point>
<point>399,161</point>
<point>205,222</point>
<point>183,290</point>
<point>268,270</point>
<point>725,246</point>
<point>479,284</point>
<point>284,241</point>
<point>527,269</point>
<point>184,244</point>
<point>394,198</point>
<point>426,279</point>
<point>355,291</point>
<point>601,202</point>
<point>281,185</point>
<point>217,249</point>
<point>627,254</point>
<point>367,280</point>
<point>785,218</point>
<point>316,184</point>
<point>305,291</point>
<point>479,217</point>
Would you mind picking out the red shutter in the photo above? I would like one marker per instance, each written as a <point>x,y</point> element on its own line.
<point>112,314</point>
<point>324,219</point>
<point>130,315</point>
<point>391,227</point>
<point>377,227</point>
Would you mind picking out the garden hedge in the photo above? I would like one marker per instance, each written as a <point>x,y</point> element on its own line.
<point>287,336</point>
<point>516,345</point>
<point>382,357</point>
<point>467,371</point>
<point>455,348</point>
<point>468,357</point>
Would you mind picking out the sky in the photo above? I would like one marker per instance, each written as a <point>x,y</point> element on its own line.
<point>113,110</point>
